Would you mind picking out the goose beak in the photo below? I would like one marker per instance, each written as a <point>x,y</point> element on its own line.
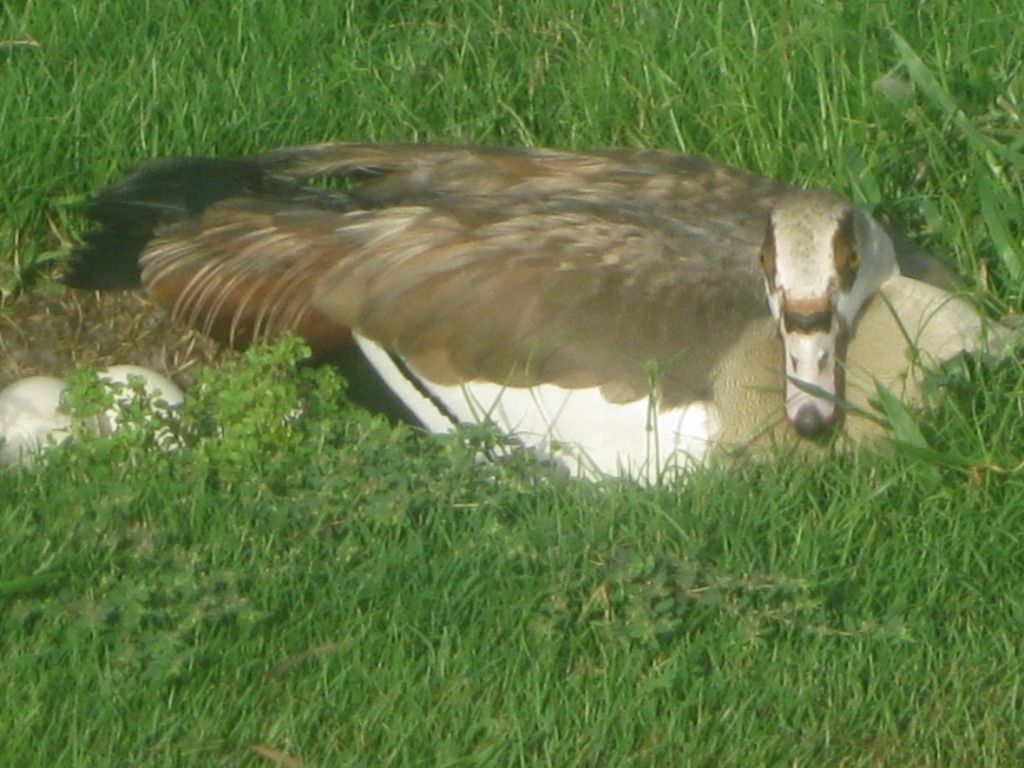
<point>812,381</point>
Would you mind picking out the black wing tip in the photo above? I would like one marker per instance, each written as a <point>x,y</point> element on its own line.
<point>106,260</point>
<point>167,189</point>
<point>163,191</point>
<point>153,194</point>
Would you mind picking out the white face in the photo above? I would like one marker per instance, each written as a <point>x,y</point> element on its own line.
<point>822,260</point>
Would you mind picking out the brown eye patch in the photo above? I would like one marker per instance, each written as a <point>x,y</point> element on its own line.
<point>813,322</point>
<point>845,255</point>
<point>807,315</point>
<point>767,256</point>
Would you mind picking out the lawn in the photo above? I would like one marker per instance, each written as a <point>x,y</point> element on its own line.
<point>331,590</point>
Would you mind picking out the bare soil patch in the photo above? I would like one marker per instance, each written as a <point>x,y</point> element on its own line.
<point>52,329</point>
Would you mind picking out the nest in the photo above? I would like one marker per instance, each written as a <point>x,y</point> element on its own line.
<point>52,330</point>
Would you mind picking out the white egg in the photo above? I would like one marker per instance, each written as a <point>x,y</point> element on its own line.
<point>29,418</point>
<point>159,387</point>
<point>156,385</point>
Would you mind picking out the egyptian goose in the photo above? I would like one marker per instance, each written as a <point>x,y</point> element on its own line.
<point>609,308</point>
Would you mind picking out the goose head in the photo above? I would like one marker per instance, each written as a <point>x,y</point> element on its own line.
<point>822,260</point>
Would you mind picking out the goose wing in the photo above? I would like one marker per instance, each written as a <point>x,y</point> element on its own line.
<point>618,269</point>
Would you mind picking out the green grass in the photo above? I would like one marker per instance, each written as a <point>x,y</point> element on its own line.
<point>368,596</point>
<point>336,591</point>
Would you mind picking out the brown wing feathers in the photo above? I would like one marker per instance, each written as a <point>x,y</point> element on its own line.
<point>209,241</point>
<point>245,271</point>
<point>512,266</point>
<point>529,292</point>
<point>161,192</point>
